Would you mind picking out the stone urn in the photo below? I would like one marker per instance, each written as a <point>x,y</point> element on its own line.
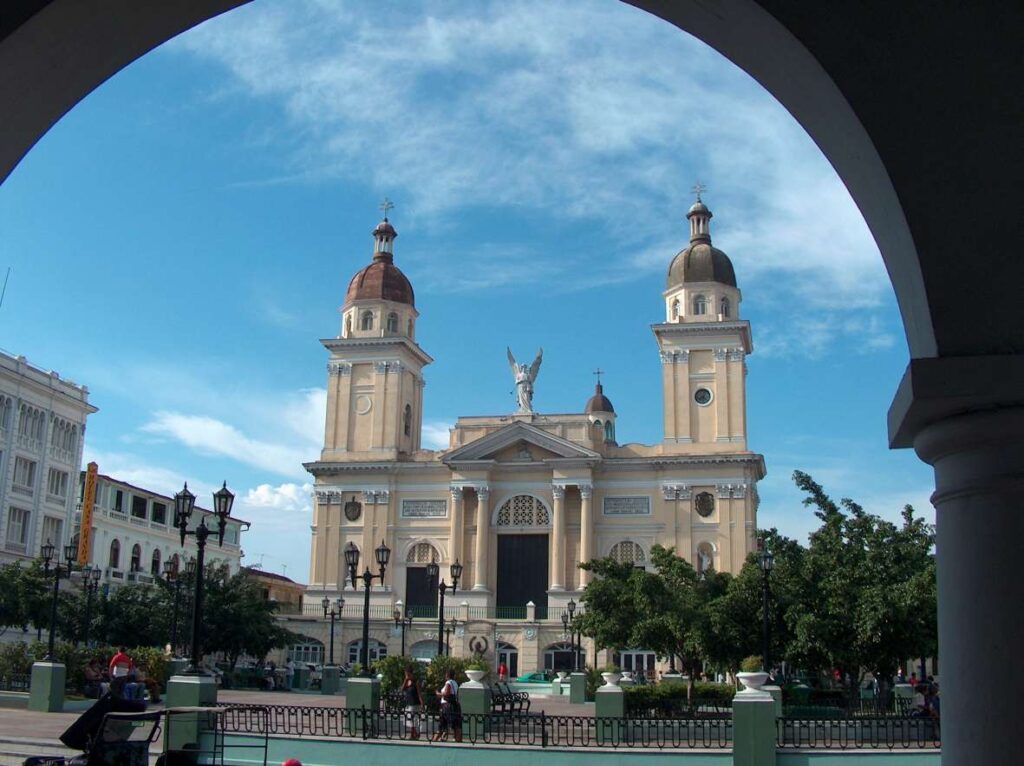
<point>627,675</point>
<point>561,675</point>
<point>611,680</point>
<point>752,682</point>
<point>475,677</point>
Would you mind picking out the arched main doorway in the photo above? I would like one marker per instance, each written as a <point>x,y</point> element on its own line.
<point>522,523</point>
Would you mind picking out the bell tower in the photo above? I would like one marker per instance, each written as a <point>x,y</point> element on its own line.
<point>375,371</point>
<point>703,344</point>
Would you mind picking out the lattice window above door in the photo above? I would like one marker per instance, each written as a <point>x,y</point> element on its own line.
<point>627,552</point>
<point>523,511</point>
<point>422,553</point>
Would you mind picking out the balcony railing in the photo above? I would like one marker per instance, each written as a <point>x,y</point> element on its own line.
<point>63,455</point>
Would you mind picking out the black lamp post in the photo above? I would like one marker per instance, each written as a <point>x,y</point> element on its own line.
<point>334,612</point>
<point>767,562</point>
<point>90,583</point>
<point>571,626</point>
<point>190,573</point>
<point>433,574</point>
<point>184,504</point>
<point>382,554</point>
<point>449,628</point>
<point>405,621</point>
<point>48,551</point>
<point>173,577</point>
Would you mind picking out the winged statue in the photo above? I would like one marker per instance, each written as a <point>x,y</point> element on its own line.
<point>525,376</point>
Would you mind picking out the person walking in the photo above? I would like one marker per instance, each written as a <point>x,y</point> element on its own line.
<point>412,697</point>
<point>289,674</point>
<point>451,713</point>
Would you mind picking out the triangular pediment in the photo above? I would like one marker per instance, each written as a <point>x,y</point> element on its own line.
<point>519,442</point>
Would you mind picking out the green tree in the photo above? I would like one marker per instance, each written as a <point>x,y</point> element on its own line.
<point>24,596</point>
<point>237,619</point>
<point>135,615</point>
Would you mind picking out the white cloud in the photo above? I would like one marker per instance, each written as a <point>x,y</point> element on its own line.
<point>138,471</point>
<point>597,111</point>
<point>284,497</point>
<point>435,434</point>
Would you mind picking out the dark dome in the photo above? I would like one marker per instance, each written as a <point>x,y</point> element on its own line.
<point>599,402</point>
<point>385,227</point>
<point>381,280</point>
<point>701,262</point>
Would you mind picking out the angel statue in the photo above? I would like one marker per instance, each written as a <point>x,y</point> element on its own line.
<point>524,380</point>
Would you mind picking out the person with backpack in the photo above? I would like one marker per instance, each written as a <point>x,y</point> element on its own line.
<point>412,698</point>
<point>451,712</point>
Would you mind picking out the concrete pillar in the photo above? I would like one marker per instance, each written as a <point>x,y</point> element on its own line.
<point>577,688</point>
<point>753,728</point>
<point>557,539</point>
<point>475,700</point>
<point>185,731</point>
<point>362,698</point>
<point>46,688</point>
<point>979,484</point>
<point>609,711</point>
<point>330,679</point>
<point>456,525</point>
<point>300,678</point>
<point>483,523</point>
<point>586,531</point>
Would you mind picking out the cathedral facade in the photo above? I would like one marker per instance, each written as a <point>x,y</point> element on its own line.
<point>520,499</point>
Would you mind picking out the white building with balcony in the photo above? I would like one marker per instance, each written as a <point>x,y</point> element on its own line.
<point>133,533</point>
<point>42,429</point>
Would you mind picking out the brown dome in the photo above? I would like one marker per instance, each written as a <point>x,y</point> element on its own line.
<point>599,402</point>
<point>381,280</point>
<point>701,262</point>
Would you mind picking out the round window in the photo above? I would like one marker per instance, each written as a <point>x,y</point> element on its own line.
<point>702,396</point>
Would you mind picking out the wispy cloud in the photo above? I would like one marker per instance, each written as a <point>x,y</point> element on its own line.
<point>597,111</point>
<point>435,434</point>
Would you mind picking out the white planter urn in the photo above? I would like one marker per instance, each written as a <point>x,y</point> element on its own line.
<point>561,675</point>
<point>475,678</point>
<point>627,675</point>
<point>611,680</point>
<point>752,682</point>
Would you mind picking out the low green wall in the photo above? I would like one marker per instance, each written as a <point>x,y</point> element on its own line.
<point>330,752</point>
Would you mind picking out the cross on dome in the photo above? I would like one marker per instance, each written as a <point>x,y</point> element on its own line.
<point>598,372</point>
<point>387,205</point>
<point>698,189</point>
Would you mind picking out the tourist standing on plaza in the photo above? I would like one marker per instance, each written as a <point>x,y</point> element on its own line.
<point>451,713</point>
<point>289,674</point>
<point>120,666</point>
<point>413,700</point>
<point>502,672</point>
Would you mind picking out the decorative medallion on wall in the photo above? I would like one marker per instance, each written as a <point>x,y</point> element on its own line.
<point>363,404</point>
<point>704,503</point>
<point>530,633</point>
<point>353,510</point>
<point>702,396</point>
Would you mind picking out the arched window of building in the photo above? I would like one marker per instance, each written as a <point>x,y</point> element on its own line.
<point>154,566</point>
<point>136,563</point>
<point>348,327</point>
<point>306,651</point>
<point>724,309</point>
<point>366,321</point>
<point>422,553</point>
<point>114,561</point>
<point>508,654</point>
<point>637,661</point>
<point>609,431</point>
<point>700,305</point>
<point>559,657</point>
<point>675,309</point>
<point>627,552</point>
<point>523,511</point>
<point>423,650</point>
<point>409,330</point>
<point>705,557</point>
<point>392,322</point>
<point>377,651</point>
<point>407,420</point>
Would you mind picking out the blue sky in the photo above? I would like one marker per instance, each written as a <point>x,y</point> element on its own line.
<point>181,240</point>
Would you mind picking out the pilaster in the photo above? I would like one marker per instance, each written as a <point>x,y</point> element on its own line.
<point>483,523</point>
<point>586,531</point>
<point>557,538</point>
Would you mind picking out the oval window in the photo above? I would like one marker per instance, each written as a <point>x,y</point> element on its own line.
<point>702,396</point>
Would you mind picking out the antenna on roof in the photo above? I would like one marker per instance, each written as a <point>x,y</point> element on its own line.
<point>4,291</point>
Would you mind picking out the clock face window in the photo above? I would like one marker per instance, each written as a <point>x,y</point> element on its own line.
<point>702,396</point>
<point>353,510</point>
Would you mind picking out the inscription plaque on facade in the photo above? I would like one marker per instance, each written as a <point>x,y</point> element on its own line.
<point>627,506</point>
<point>424,509</point>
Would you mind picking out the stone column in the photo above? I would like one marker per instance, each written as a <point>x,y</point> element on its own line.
<point>557,574</point>
<point>979,482</point>
<point>753,728</point>
<point>456,524</point>
<point>586,530</point>
<point>483,533</point>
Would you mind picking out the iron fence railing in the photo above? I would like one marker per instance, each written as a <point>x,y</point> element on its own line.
<point>429,612</point>
<point>858,733</point>
<point>533,730</point>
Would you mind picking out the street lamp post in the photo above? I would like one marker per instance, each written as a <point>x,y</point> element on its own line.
<point>448,630</point>
<point>382,555</point>
<point>184,504</point>
<point>404,620</point>
<point>571,626</point>
<point>334,612</point>
<point>767,562</point>
<point>48,551</point>
<point>173,577</point>
<point>91,584</point>
<point>433,574</point>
